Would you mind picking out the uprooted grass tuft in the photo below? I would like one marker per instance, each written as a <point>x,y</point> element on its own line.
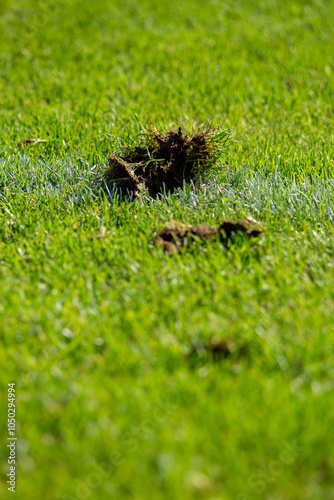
<point>165,162</point>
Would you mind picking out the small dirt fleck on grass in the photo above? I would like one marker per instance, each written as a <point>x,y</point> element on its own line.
<point>165,162</point>
<point>26,142</point>
<point>217,349</point>
<point>172,239</point>
<point>30,142</point>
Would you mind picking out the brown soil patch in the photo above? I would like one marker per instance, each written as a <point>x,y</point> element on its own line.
<point>165,162</point>
<point>172,239</point>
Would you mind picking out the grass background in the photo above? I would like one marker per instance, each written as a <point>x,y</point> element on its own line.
<point>95,331</point>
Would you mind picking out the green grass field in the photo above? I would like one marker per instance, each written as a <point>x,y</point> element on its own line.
<point>96,332</point>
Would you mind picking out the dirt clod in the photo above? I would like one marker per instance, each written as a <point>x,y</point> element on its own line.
<point>173,238</point>
<point>164,163</point>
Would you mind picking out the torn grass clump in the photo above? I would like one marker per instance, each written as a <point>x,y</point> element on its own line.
<point>165,162</point>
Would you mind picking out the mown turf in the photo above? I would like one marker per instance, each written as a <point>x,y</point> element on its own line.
<point>97,323</point>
